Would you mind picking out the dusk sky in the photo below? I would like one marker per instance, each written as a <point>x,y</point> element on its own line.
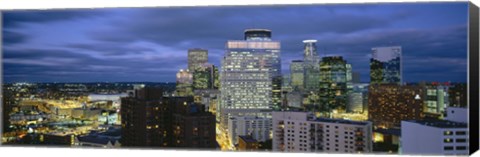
<point>150,44</point>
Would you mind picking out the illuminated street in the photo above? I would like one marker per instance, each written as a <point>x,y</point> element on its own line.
<point>222,140</point>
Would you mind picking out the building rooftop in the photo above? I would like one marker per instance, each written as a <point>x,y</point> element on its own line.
<point>96,140</point>
<point>256,30</point>
<point>342,121</point>
<point>248,139</point>
<point>310,41</point>
<point>440,123</point>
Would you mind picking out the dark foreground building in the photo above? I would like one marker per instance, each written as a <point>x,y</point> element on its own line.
<point>192,126</point>
<point>151,120</point>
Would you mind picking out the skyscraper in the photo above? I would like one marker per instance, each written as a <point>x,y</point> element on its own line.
<point>297,74</point>
<point>196,58</point>
<point>358,98</point>
<point>355,77</point>
<point>277,92</point>
<point>335,83</point>
<point>311,64</point>
<point>286,86</point>
<point>248,69</point>
<point>386,65</point>
<point>205,77</point>
<point>184,85</point>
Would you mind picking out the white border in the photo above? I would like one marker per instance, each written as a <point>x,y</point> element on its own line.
<point>61,4</point>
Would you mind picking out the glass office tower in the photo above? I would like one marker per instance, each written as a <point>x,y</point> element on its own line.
<point>196,58</point>
<point>184,86</point>
<point>246,81</point>
<point>297,74</point>
<point>335,83</point>
<point>205,77</point>
<point>311,65</point>
<point>386,65</point>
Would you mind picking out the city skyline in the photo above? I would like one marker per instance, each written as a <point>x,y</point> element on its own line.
<point>105,45</point>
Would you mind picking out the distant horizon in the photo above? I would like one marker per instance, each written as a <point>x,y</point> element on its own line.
<point>125,44</point>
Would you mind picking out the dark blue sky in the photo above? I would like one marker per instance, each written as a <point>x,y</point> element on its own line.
<point>150,44</point>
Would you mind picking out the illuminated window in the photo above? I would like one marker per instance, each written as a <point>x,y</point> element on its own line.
<point>447,140</point>
<point>447,133</point>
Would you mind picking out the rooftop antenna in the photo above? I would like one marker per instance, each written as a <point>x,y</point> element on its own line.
<point>325,52</point>
<point>252,23</point>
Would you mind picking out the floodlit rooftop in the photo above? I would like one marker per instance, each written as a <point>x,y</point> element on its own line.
<point>341,121</point>
<point>310,41</point>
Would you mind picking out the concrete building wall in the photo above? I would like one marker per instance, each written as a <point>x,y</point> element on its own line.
<point>428,140</point>
<point>457,114</point>
<point>299,132</point>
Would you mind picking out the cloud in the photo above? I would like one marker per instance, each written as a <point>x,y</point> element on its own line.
<point>211,27</point>
<point>11,37</point>
<point>66,65</point>
<point>151,43</point>
<point>15,18</point>
<point>109,49</point>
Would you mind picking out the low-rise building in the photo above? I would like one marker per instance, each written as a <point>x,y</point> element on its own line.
<point>302,132</point>
<point>434,137</point>
<point>105,139</point>
<point>257,127</point>
<point>247,143</point>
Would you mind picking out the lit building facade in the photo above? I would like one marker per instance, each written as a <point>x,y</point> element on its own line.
<point>114,98</point>
<point>302,132</point>
<point>297,74</point>
<point>311,66</point>
<point>184,85</point>
<point>277,92</point>
<point>197,57</point>
<point>209,98</point>
<point>335,83</point>
<point>437,137</point>
<point>205,76</point>
<point>436,98</point>
<point>389,104</point>
<point>386,65</point>
<point>247,143</point>
<point>248,69</point>
<point>295,99</point>
<point>286,83</point>
<point>357,101</point>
